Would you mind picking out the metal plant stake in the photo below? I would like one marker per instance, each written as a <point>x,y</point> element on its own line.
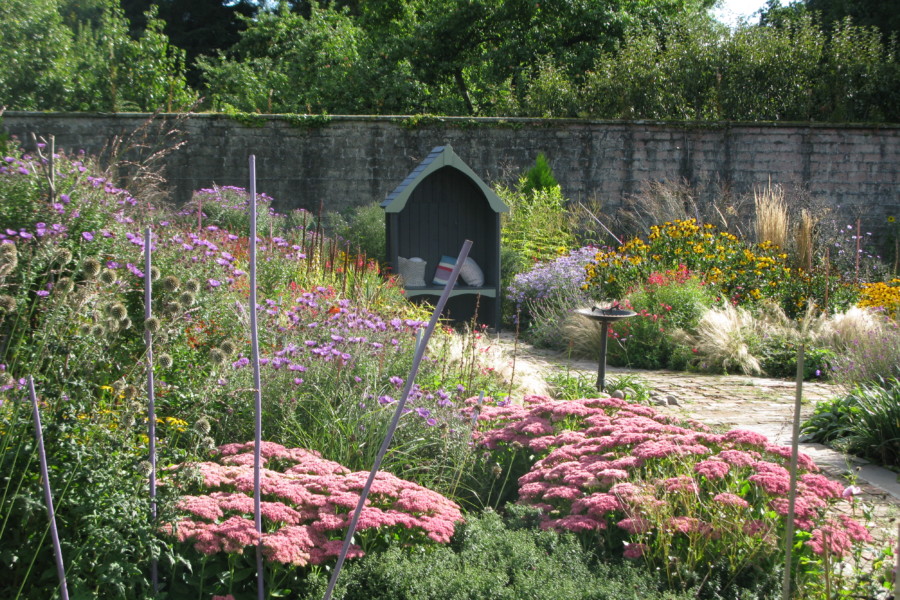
<point>151,400</point>
<point>417,358</point>
<point>48,496</point>
<point>257,385</point>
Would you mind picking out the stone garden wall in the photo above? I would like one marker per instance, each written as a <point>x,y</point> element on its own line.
<point>340,162</point>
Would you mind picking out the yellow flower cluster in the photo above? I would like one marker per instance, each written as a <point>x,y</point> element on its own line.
<point>884,295</point>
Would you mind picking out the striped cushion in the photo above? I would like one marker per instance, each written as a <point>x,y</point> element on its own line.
<point>442,273</point>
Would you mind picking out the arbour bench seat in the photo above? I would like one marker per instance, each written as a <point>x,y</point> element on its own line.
<point>459,290</point>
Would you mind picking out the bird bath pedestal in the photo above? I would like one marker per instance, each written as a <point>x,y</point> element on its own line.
<point>604,316</point>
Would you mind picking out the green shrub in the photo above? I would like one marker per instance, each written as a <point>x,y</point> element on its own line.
<point>778,358</point>
<point>361,230</point>
<point>491,560</point>
<point>865,422</point>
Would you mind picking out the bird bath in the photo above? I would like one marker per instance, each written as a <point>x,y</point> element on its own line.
<point>604,316</point>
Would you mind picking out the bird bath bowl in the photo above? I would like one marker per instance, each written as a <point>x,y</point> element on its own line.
<point>604,316</point>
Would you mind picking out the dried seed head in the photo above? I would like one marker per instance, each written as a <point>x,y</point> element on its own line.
<point>130,392</point>
<point>118,386</point>
<point>172,309</point>
<point>202,426</point>
<point>151,324</point>
<point>127,421</point>
<point>208,442</point>
<point>187,299</point>
<point>97,331</point>
<point>170,283</point>
<point>144,467</point>
<point>85,330</point>
<point>164,361</point>
<point>6,379</point>
<point>108,277</point>
<point>117,311</point>
<point>154,273</point>
<point>112,325</point>
<point>192,285</point>
<point>228,347</point>
<point>216,356</point>
<point>111,335</point>
<point>65,285</point>
<point>63,257</point>
<point>125,324</point>
<point>7,304</point>
<point>8,249</point>
<point>91,267</point>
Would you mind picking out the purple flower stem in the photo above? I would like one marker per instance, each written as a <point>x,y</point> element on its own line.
<point>417,358</point>
<point>151,404</point>
<point>792,489</point>
<point>257,385</point>
<point>48,496</point>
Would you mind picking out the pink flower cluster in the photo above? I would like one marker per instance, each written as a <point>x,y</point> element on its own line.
<point>306,505</point>
<point>607,465</point>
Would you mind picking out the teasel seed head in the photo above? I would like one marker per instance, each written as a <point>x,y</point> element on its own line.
<point>127,421</point>
<point>228,347</point>
<point>7,304</point>
<point>187,299</point>
<point>112,325</point>
<point>216,356</point>
<point>202,426</point>
<point>85,330</point>
<point>164,361</point>
<point>154,273</point>
<point>151,324</point>
<point>172,309</point>
<point>91,268</point>
<point>117,311</point>
<point>63,257</point>
<point>118,386</point>
<point>65,285</point>
<point>125,324</point>
<point>170,283</point>
<point>108,277</point>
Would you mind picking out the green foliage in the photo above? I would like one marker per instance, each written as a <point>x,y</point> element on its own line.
<point>361,230</point>
<point>494,561</point>
<point>865,422</point>
<point>778,358</point>
<point>539,177</point>
<point>665,303</point>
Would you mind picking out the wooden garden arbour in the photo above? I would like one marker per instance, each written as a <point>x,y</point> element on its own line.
<point>431,213</point>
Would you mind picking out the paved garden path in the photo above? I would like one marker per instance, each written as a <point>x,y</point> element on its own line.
<point>730,401</point>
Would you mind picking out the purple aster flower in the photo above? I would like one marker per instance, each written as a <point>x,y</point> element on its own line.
<point>88,236</point>
<point>214,283</point>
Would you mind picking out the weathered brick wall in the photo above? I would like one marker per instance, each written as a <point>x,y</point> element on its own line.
<point>348,161</point>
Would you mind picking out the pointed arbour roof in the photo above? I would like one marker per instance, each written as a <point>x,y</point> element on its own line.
<point>441,156</point>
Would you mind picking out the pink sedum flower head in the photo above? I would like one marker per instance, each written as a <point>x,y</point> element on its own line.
<point>307,502</point>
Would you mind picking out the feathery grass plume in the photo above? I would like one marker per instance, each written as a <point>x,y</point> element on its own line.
<point>772,222</point>
<point>722,340</point>
<point>228,347</point>
<point>172,309</point>
<point>170,283</point>
<point>152,324</point>
<point>108,277</point>
<point>192,286</point>
<point>65,285</point>
<point>7,304</point>
<point>154,273</point>
<point>216,356</point>
<point>7,250</point>
<point>117,311</point>
<point>164,361</point>
<point>187,299</point>
<point>804,240</point>
<point>91,268</point>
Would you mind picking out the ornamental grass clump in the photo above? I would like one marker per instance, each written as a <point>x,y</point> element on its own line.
<point>702,508</point>
<point>307,503</point>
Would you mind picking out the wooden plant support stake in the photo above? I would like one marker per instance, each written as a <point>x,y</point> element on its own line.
<point>417,358</point>
<point>792,491</point>
<point>257,386</point>
<point>48,496</point>
<point>151,398</point>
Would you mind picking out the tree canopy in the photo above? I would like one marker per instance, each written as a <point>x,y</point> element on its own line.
<point>662,59</point>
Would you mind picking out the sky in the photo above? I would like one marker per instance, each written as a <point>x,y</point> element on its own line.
<point>731,10</point>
